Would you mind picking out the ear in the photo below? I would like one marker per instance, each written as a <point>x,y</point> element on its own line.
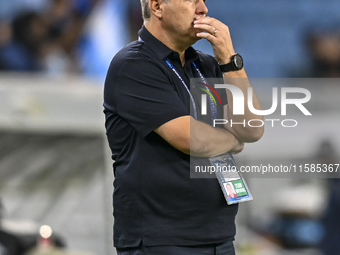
<point>156,8</point>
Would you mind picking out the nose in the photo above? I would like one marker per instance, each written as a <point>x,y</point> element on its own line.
<point>201,8</point>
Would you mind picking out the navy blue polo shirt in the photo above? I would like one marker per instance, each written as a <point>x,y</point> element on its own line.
<point>155,200</point>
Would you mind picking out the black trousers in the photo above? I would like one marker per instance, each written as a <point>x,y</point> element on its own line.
<point>226,248</point>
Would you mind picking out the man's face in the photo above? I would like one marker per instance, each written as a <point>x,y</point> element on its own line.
<point>230,189</point>
<point>179,16</point>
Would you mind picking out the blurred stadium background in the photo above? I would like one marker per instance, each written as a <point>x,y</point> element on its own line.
<point>55,166</point>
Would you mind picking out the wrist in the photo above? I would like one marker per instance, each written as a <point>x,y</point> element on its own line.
<point>227,59</point>
<point>235,64</point>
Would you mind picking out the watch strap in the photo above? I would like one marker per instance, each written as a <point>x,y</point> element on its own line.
<point>226,67</point>
<point>235,64</point>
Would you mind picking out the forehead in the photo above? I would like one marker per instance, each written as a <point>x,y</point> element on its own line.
<point>192,1</point>
<point>186,2</point>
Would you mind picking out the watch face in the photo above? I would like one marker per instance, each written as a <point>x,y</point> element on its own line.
<point>238,62</point>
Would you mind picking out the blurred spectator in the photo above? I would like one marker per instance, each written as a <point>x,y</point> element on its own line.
<point>10,244</point>
<point>296,224</point>
<point>65,36</point>
<point>20,48</point>
<point>135,18</point>
<point>325,52</point>
<point>330,244</point>
<point>5,39</point>
<point>323,47</point>
<point>66,20</point>
<point>106,32</point>
<point>45,40</point>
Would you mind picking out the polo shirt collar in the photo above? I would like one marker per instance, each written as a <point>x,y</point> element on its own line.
<point>161,50</point>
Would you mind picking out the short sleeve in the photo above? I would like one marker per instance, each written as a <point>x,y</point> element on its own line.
<point>140,92</point>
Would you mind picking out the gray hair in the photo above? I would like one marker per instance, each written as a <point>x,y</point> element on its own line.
<point>146,10</point>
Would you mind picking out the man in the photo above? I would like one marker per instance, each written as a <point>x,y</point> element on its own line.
<point>230,191</point>
<point>158,208</point>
